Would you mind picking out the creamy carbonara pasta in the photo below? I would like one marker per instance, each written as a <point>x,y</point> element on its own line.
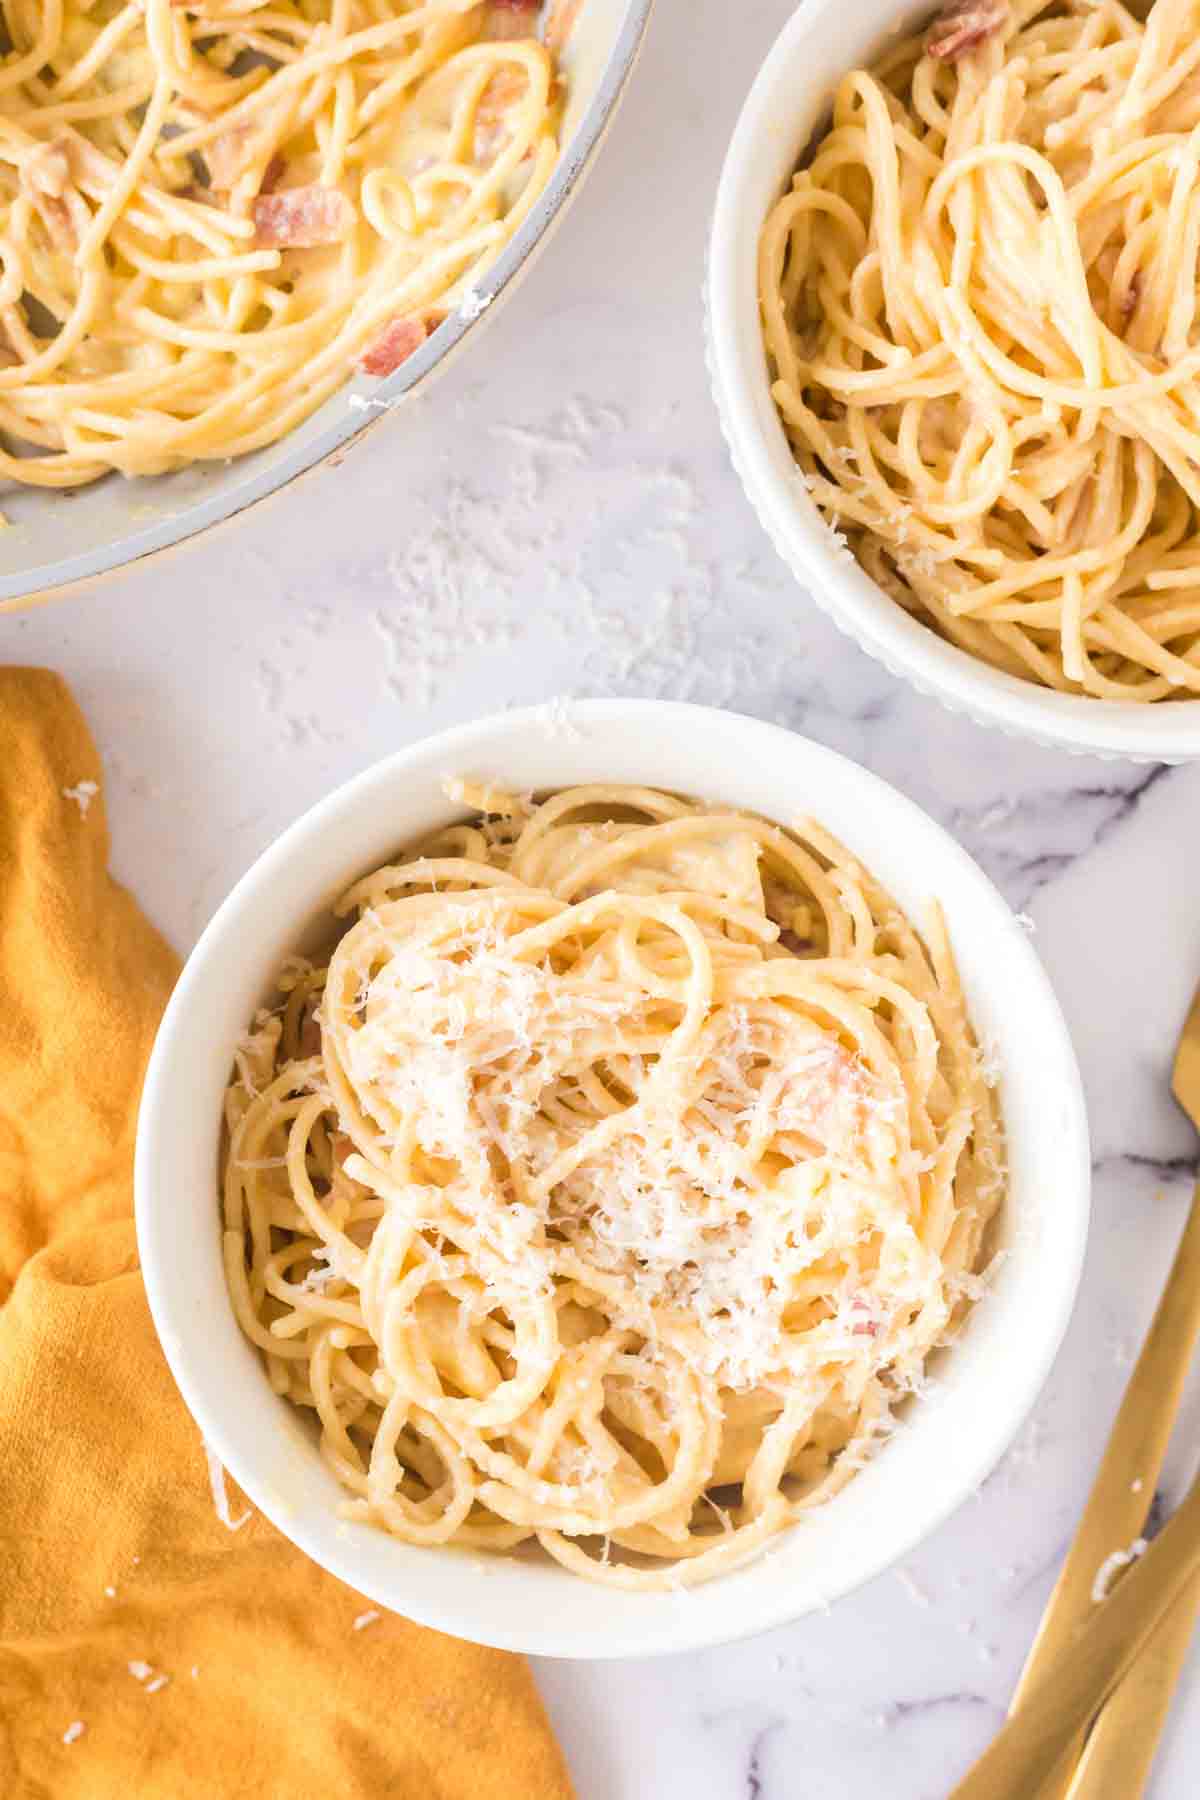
<point>979,298</point>
<point>212,211</point>
<point>610,1181</point>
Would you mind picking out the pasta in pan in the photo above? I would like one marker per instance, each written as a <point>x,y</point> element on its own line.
<point>610,1182</point>
<point>979,299</point>
<point>211,212</point>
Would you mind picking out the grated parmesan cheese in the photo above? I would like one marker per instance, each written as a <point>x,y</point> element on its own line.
<point>1111,1567</point>
<point>912,1587</point>
<point>83,793</point>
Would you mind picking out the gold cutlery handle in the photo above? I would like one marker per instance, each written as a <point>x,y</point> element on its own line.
<point>1063,1697</point>
<point>1120,1750</point>
<point>1124,1486</point>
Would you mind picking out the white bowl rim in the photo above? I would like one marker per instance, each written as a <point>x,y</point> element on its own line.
<point>714,1613</point>
<point>785,87</point>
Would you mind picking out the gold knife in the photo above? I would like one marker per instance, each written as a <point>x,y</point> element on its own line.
<point>1065,1695</point>
<point>1120,1751</point>
<point>1121,1496</point>
<point>1121,1748</point>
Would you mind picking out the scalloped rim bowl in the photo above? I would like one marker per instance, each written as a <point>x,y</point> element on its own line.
<point>985,1383</point>
<point>819,44</point>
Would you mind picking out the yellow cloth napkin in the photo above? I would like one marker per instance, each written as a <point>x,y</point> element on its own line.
<point>115,1570</point>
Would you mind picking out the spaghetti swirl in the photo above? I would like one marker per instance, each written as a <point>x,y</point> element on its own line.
<point>979,300</point>
<point>610,1182</point>
<point>210,212</point>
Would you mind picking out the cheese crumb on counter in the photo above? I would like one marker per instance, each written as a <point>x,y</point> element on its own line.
<point>83,793</point>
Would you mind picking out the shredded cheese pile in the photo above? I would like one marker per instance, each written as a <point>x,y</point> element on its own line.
<point>611,1182</point>
<point>212,211</point>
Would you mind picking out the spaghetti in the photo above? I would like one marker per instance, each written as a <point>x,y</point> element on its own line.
<point>610,1182</point>
<point>979,300</point>
<point>210,212</point>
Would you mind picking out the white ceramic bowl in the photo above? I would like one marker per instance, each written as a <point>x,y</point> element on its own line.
<point>787,103</point>
<point>987,1381</point>
<point>57,541</point>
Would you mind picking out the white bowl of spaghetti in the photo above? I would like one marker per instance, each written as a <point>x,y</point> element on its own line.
<point>956,391</point>
<point>592,1324</point>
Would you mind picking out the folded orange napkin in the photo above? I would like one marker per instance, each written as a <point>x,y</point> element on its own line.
<point>146,1651</point>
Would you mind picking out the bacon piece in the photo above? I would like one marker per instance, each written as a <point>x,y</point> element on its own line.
<point>400,337</point>
<point>864,1322</point>
<point>963,25</point>
<point>510,18</point>
<point>301,218</point>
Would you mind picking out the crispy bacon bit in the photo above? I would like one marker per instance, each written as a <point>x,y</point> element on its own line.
<point>301,218</point>
<point>863,1321</point>
<point>401,336</point>
<point>510,18</point>
<point>963,25</point>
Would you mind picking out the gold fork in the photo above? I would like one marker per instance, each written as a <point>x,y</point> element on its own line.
<point>1084,1652</point>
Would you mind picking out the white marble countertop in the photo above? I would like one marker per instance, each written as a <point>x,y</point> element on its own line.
<point>559,517</point>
